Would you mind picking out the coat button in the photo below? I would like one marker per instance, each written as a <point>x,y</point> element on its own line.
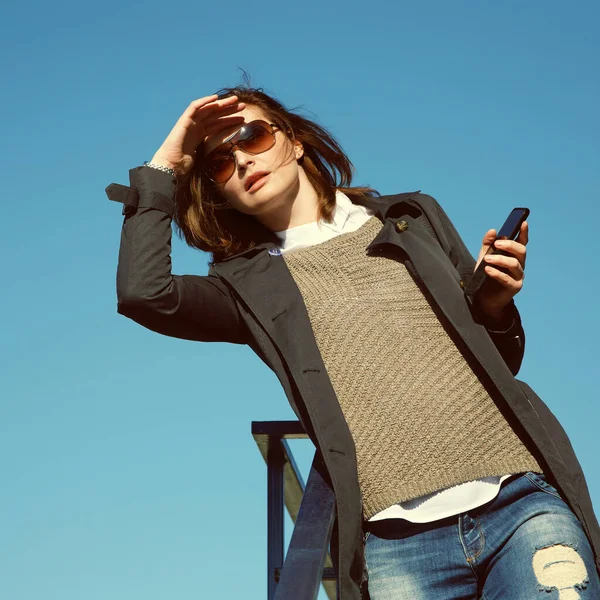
<point>462,284</point>
<point>401,225</point>
<point>274,251</point>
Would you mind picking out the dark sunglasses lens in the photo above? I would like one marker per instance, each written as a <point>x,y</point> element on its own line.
<point>256,138</point>
<point>220,168</point>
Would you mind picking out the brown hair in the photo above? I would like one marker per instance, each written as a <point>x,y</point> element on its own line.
<point>205,226</point>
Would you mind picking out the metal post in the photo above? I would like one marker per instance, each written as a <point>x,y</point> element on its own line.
<point>275,460</point>
<point>303,571</point>
<point>308,559</point>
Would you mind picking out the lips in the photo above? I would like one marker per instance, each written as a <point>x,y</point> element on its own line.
<point>252,179</point>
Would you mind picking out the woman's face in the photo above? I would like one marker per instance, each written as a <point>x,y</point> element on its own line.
<point>278,168</point>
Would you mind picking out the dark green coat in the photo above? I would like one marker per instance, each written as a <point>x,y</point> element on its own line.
<point>252,299</point>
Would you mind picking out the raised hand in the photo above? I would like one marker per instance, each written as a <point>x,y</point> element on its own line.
<point>203,117</point>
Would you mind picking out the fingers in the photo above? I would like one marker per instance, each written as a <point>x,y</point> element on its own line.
<point>225,106</point>
<point>514,248</point>
<point>510,264</point>
<point>197,104</point>
<point>524,233</point>
<point>216,117</point>
<point>488,240</point>
<point>510,284</point>
<point>211,103</point>
<point>489,237</point>
<point>222,123</point>
<point>201,114</point>
<point>221,108</point>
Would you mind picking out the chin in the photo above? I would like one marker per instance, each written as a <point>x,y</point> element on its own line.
<point>272,194</point>
<point>253,205</point>
<point>267,194</point>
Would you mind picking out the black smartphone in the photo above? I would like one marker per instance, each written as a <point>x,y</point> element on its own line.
<point>508,231</point>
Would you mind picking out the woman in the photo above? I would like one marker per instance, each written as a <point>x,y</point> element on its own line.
<point>452,478</point>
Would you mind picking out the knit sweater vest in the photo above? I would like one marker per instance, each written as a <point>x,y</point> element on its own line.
<point>420,418</point>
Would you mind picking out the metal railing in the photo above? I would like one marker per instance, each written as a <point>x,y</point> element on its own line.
<point>312,510</point>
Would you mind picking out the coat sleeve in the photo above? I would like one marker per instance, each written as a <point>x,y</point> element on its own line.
<point>508,336</point>
<point>191,307</point>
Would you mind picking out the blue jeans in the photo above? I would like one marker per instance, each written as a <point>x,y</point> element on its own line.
<point>524,544</point>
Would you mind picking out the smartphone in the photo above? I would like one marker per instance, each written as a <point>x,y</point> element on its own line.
<point>508,231</point>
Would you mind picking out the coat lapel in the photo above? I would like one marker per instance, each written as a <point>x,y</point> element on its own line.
<point>266,286</point>
<point>263,281</point>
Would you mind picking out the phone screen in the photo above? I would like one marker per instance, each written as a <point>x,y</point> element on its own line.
<point>511,226</point>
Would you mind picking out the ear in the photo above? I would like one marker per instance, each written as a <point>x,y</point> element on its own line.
<point>298,149</point>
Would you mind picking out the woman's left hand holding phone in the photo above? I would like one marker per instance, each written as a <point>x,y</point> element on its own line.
<point>503,284</point>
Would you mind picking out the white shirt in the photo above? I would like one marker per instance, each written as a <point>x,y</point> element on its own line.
<point>443,503</point>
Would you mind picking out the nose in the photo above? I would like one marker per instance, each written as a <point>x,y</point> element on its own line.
<point>242,160</point>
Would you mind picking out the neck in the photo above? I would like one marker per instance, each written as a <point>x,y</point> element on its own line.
<point>297,207</point>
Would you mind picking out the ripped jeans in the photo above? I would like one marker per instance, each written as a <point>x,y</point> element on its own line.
<point>523,545</point>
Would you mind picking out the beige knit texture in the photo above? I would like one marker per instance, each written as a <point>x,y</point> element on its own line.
<point>420,418</point>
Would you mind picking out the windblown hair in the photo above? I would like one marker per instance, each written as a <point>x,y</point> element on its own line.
<point>204,224</point>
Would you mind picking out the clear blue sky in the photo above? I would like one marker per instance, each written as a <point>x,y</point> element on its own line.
<point>128,469</point>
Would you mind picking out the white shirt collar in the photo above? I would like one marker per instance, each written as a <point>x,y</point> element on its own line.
<point>341,212</point>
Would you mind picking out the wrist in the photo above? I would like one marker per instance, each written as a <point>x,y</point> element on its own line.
<point>495,317</point>
<point>504,323</point>
<point>160,166</point>
<point>498,320</point>
<point>160,161</point>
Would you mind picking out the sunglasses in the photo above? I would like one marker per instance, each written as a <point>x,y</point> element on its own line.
<point>253,138</point>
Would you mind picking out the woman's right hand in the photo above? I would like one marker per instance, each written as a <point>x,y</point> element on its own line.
<point>205,116</point>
